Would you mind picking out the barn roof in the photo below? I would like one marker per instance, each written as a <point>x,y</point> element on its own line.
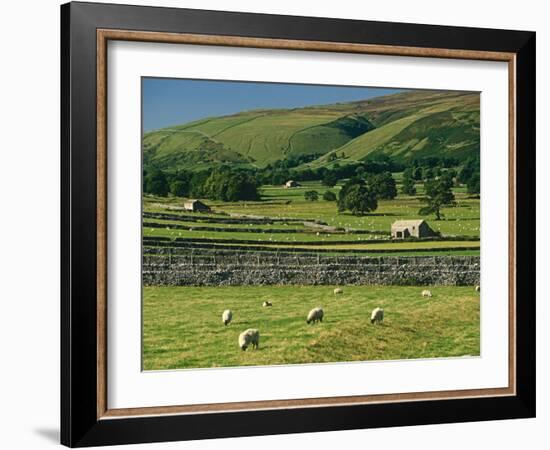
<point>407,223</point>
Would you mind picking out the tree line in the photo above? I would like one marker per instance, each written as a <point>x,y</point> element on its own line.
<point>367,182</point>
<point>219,184</point>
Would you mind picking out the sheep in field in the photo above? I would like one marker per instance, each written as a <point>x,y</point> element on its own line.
<point>227,316</point>
<point>377,315</point>
<point>315,315</point>
<point>478,288</point>
<point>338,291</point>
<point>426,293</point>
<point>249,337</point>
<point>266,303</point>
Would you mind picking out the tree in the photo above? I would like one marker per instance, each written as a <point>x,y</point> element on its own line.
<point>470,167</point>
<point>241,186</point>
<point>228,186</point>
<point>329,196</point>
<point>197,182</point>
<point>330,179</point>
<point>438,194</point>
<point>311,196</point>
<point>473,184</point>
<point>156,183</point>
<point>384,186</point>
<point>179,184</point>
<point>179,188</point>
<point>357,197</point>
<point>408,183</point>
<point>427,173</point>
<point>360,172</point>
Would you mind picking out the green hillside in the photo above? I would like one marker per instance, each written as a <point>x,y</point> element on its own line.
<point>404,126</point>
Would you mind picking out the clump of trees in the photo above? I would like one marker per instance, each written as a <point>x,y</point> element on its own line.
<point>330,179</point>
<point>470,175</point>
<point>438,194</point>
<point>156,183</point>
<point>383,185</point>
<point>358,197</point>
<point>219,184</point>
<point>408,186</point>
<point>228,186</point>
<point>329,196</point>
<point>311,196</point>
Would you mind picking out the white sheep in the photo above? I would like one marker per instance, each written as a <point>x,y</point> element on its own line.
<point>377,315</point>
<point>338,291</point>
<point>249,337</point>
<point>315,315</point>
<point>478,288</point>
<point>227,316</point>
<point>266,303</point>
<point>426,293</point>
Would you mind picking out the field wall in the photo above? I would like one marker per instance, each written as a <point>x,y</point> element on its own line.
<point>199,267</point>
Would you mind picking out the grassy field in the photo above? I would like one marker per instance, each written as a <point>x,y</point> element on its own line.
<point>461,221</point>
<point>182,326</point>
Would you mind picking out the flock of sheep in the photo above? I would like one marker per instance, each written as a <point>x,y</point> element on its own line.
<point>251,337</point>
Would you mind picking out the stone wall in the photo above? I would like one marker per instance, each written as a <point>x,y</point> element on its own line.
<point>203,268</point>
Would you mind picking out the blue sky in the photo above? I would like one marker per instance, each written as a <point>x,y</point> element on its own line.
<point>168,101</point>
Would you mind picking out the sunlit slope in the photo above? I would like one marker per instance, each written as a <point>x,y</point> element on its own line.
<point>405,125</point>
<point>445,128</point>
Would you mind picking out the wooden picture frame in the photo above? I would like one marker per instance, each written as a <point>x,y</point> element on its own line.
<point>86,418</point>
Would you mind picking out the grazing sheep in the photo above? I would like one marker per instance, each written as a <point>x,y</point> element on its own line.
<point>426,293</point>
<point>266,303</point>
<point>338,291</point>
<point>315,315</point>
<point>249,337</point>
<point>227,316</point>
<point>377,315</point>
<point>478,288</point>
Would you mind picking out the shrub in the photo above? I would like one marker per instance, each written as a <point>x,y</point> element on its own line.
<point>311,196</point>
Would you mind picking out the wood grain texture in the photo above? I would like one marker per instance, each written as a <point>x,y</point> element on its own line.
<point>103,36</point>
<point>512,199</point>
<point>101,226</point>
<point>285,44</point>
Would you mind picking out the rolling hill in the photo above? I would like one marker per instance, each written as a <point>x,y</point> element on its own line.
<point>404,126</point>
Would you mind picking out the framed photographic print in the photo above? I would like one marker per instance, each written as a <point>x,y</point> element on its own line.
<point>276,224</point>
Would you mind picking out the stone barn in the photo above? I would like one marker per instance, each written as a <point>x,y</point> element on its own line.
<point>402,229</point>
<point>291,184</point>
<point>196,206</point>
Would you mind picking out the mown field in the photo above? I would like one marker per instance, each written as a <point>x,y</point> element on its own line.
<point>182,326</point>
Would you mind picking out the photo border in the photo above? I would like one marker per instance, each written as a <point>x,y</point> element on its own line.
<point>104,36</point>
<point>86,29</point>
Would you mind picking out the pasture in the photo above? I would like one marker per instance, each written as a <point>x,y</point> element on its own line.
<point>182,326</point>
<point>288,211</point>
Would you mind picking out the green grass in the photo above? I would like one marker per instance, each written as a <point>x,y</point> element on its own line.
<point>407,124</point>
<point>182,326</point>
<point>278,202</point>
<point>462,220</point>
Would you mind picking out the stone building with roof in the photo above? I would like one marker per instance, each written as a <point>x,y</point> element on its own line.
<point>195,206</point>
<point>402,229</point>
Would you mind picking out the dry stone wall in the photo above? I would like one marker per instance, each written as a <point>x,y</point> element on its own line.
<point>198,267</point>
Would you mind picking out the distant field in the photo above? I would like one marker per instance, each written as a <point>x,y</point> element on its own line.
<point>461,222</point>
<point>182,326</point>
